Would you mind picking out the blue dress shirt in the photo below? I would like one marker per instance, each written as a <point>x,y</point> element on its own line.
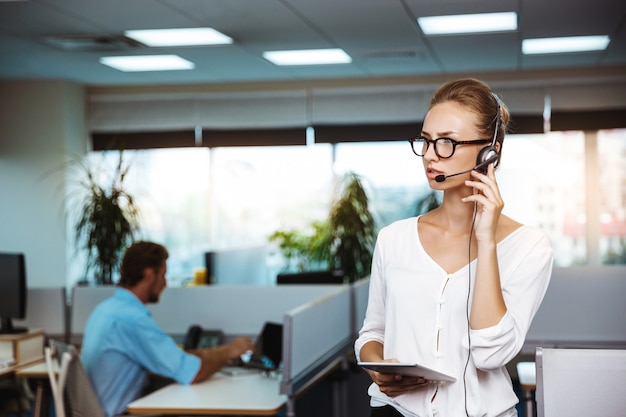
<point>122,344</point>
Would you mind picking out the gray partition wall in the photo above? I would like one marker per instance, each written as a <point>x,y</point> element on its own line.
<point>237,310</point>
<point>583,307</point>
<point>581,382</point>
<point>46,309</point>
<point>315,335</point>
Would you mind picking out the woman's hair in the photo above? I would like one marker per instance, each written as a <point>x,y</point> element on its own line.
<point>477,97</point>
<point>138,256</point>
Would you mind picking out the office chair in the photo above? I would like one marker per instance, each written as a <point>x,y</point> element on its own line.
<point>580,382</point>
<point>72,391</point>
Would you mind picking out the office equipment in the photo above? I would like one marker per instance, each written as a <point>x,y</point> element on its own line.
<point>245,266</point>
<point>199,338</point>
<point>410,369</point>
<point>312,277</point>
<point>12,291</point>
<point>580,382</point>
<point>268,349</point>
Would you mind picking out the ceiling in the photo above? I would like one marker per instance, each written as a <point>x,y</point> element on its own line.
<point>381,36</point>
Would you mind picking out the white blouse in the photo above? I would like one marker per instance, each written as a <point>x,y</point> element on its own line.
<point>419,312</point>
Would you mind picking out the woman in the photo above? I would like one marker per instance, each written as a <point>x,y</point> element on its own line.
<point>456,288</point>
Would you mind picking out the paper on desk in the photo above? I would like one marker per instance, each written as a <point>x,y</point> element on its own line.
<point>6,362</point>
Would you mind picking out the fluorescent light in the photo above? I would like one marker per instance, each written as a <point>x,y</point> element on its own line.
<point>564,45</point>
<point>468,23</point>
<point>147,63</point>
<point>179,37</point>
<point>308,57</point>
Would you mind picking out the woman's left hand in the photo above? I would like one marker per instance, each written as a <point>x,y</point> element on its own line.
<point>489,203</point>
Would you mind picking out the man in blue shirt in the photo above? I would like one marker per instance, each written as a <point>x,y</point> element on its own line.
<point>123,344</point>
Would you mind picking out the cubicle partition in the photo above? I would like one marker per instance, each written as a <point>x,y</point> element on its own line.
<point>360,296</point>
<point>317,336</point>
<point>583,308</point>
<point>46,309</point>
<point>581,382</point>
<point>82,302</point>
<point>236,310</point>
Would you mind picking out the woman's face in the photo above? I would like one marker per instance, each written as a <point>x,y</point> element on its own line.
<point>450,120</point>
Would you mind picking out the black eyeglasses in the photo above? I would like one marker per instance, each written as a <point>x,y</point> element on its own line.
<point>444,147</point>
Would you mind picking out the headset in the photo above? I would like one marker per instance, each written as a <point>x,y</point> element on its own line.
<point>487,155</point>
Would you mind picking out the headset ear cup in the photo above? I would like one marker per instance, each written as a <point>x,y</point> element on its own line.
<point>486,156</point>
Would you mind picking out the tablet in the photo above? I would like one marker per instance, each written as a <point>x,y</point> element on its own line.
<point>410,369</point>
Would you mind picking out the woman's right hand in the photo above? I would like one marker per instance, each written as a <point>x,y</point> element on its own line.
<point>396,384</point>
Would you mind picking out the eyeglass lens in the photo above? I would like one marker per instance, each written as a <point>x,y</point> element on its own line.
<point>444,148</point>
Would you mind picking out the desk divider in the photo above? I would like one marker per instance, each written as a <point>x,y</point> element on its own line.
<point>84,299</point>
<point>236,310</point>
<point>46,310</point>
<point>580,309</point>
<point>360,296</point>
<point>314,335</point>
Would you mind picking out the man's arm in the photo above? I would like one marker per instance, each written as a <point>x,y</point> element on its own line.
<point>215,358</point>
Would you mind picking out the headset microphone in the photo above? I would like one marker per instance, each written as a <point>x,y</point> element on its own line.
<point>482,167</point>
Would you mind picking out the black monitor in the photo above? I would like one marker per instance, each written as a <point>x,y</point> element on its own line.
<point>335,276</point>
<point>12,291</point>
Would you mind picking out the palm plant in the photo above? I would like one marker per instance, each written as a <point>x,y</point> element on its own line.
<point>107,219</point>
<point>344,241</point>
<point>353,229</point>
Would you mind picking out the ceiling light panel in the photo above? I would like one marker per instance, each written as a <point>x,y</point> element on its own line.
<point>308,57</point>
<point>468,23</point>
<point>179,37</point>
<point>147,63</point>
<point>564,44</point>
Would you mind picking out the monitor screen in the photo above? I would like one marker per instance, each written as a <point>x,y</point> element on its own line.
<point>312,277</point>
<point>12,291</point>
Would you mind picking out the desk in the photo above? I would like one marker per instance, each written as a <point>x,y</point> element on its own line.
<point>527,378</point>
<point>249,394</point>
<point>38,373</point>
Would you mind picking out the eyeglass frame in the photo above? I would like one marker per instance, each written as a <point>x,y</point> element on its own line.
<point>455,143</point>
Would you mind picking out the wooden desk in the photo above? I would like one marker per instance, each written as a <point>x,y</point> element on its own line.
<point>38,373</point>
<point>248,394</point>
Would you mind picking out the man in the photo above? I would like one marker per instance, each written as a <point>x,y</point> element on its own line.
<point>123,344</point>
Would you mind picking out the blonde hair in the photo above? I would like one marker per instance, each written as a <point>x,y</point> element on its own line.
<point>477,97</point>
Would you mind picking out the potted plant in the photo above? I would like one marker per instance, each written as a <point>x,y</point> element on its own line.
<point>344,241</point>
<point>106,218</point>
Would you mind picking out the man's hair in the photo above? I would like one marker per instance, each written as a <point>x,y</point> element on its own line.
<point>138,256</point>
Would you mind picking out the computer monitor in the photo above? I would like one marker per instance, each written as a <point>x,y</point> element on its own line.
<point>12,291</point>
<point>335,276</point>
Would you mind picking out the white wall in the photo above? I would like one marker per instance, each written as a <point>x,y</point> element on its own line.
<point>40,123</point>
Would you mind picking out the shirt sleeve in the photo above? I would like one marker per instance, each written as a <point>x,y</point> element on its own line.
<point>525,271</point>
<point>374,323</point>
<point>157,352</point>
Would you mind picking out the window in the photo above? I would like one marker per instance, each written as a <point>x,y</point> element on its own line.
<point>198,199</point>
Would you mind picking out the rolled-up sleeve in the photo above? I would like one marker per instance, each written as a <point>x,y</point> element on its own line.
<point>524,284</point>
